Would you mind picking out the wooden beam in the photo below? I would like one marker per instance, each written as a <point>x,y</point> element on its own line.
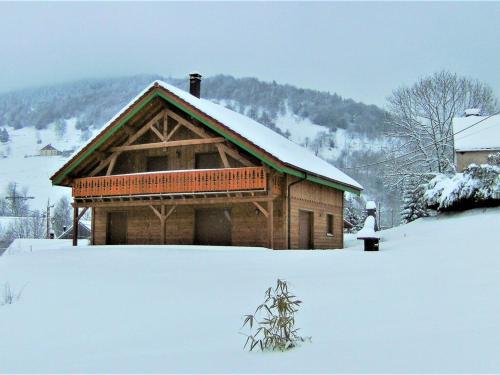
<point>81,214</point>
<point>130,132</point>
<point>176,202</point>
<point>156,212</point>
<point>165,124</point>
<point>261,209</point>
<point>170,212</point>
<point>184,142</point>
<point>202,133</point>
<point>111,165</point>
<point>223,156</point>
<point>131,140</point>
<point>157,132</point>
<point>172,132</point>
<point>270,224</point>
<point>75,225</point>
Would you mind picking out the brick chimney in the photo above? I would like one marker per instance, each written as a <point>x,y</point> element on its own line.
<point>195,84</point>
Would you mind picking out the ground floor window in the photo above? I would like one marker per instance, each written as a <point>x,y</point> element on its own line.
<point>329,225</point>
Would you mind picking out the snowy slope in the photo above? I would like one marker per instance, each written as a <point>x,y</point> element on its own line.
<point>22,164</point>
<point>427,302</point>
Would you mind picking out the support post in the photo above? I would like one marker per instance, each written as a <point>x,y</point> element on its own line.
<point>270,224</point>
<point>75,226</point>
<point>162,224</point>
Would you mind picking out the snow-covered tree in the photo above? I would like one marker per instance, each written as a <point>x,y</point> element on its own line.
<point>420,119</point>
<point>62,215</point>
<point>414,205</point>
<point>477,186</point>
<point>4,135</point>
<point>494,159</point>
<point>354,211</point>
<point>60,127</point>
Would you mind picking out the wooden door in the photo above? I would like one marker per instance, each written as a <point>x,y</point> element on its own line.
<point>116,228</point>
<point>305,230</point>
<point>209,160</point>
<point>213,227</point>
<point>156,163</point>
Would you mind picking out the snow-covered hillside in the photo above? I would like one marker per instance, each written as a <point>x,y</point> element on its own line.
<point>427,302</point>
<point>21,163</point>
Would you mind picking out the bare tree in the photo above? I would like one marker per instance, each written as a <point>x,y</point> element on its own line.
<point>32,226</point>
<point>420,119</point>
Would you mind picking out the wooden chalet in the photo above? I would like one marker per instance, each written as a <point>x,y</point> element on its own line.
<point>172,168</point>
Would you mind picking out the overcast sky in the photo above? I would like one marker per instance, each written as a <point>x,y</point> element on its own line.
<point>359,50</point>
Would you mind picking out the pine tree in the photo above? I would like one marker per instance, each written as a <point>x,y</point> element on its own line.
<point>414,205</point>
<point>4,136</point>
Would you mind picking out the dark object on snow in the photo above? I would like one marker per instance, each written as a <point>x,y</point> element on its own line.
<point>371,244</point>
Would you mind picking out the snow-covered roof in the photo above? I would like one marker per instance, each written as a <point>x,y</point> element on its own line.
<point>49,147</point>
<point>483,136</point>
<point>472,112</point>
<point>258,134</point>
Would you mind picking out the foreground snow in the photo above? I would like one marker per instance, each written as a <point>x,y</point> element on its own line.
<point>427,302</point>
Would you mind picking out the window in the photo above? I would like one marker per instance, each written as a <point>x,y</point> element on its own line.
<point>156,163</point>
<point>329,225</point>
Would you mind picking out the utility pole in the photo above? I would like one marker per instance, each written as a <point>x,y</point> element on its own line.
<point>15,198</point>
<point>49,223</point>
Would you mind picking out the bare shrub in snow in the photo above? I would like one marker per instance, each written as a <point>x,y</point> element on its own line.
<point>9,296</point>
<point>276,321</point>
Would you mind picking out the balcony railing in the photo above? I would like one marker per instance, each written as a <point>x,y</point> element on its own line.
<point>193,181</point>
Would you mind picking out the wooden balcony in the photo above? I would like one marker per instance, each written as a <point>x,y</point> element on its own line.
<point>174,182</point>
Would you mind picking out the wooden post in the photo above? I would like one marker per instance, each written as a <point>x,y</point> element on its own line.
<point>162,224</point>
<point>270,224</point>
<point>270,210</point>
<point>75,226</point>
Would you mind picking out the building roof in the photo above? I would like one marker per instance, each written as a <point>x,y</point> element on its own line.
<point>295,159</point>
<point>483,136</point>
<point>49,147</point>
<point>87,224</point>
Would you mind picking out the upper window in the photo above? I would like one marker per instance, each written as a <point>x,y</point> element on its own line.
<point>156,163</point>
<point>329,224</point>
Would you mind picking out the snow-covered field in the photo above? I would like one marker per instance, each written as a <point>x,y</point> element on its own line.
<point>427,302</point>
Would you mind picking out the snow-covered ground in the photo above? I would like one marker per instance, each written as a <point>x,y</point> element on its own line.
<point>427,302</point>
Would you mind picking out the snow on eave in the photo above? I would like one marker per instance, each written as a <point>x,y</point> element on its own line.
<point>477,149</point>
<point>259,136</point>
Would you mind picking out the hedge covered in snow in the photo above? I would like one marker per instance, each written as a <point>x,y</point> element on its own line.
<point>478,185</point>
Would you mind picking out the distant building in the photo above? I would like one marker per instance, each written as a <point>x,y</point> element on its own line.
<point>49,150</point>
<point>474,143</point>
<point>84,231</point>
